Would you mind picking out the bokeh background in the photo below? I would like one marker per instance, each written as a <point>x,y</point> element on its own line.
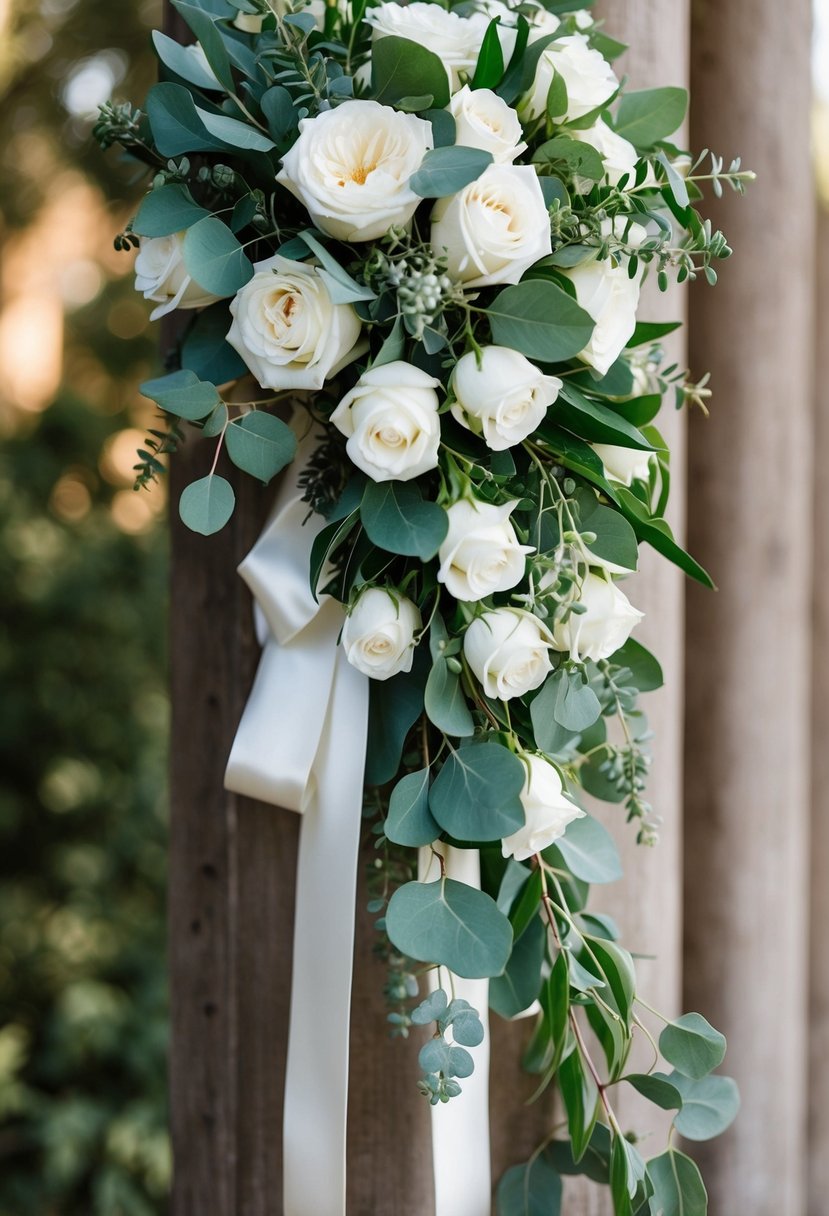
<point>83,567</point>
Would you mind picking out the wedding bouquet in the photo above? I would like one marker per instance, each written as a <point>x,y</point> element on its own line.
<point>426,229</point>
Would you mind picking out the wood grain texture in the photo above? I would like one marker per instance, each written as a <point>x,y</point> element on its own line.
<point>748,655</point>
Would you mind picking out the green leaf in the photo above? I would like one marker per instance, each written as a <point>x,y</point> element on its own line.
<point>555,1006</point>
<point>658,534</point>
<point>215,259</point>
<point>394,707</point>
<point>445,171</point>
<point>396,518</point>
<point>409,820</point>
<point>576,706</point>
<point>165,210</point>
<point>205,351</point>
<point>439,1056</point>
<point>176,57</point>
<point>443,127</point>
<point>678,1189</point>
<point>581,1102</point>
<point>651,331</point>
<point>175,125</point>
<point>206,505</point>
<point>236,134</point>
<point>692,1045</point>
<point>645,671</point>
<point>657,1088</point>
<point>615,538</point>
<point>278,110</point>
<point>581,158</point>
<point>518,987</point>
<point>402,68</point>
<point>595,1164</point>
<point>539,319</point>
<point>578,456</point>
<point>476,793</point>
<point>617,967</point>
<point>449,923</point>
<point>183,394</point>
<point>676,182</point>
<point>589,851</point>
<point>627,1171</point>
<point>650,115</point>
<point>490,66</point>
<point>523,64</point>
<point>533,1189</point>
<point>260,444</point>
<point>595,422</point>
<point>709,1106</point>
<point>527,905</point>
<point>341,287</point>
<point>445,701</point>
<point>203,26</point>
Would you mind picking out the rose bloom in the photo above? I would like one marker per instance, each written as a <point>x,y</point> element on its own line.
<point>484,120</point>
<point>547,811</point>
<point>161,276</point>
<point>605,291</point>
<point>455,40</point>
<point>508,651</point>
<point>624,465</point>
<point>495,228</point>
<point>391,420</point>
<point>351,166</point>
<point>620,156</point>
<point>287,329</point>
<point>504,398</point>
<point>481,553</point>
<point>606,625</point>
<point>589,78</point>
<point>379,633</point>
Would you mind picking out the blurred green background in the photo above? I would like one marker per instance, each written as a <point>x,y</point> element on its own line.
<point>83,715</point>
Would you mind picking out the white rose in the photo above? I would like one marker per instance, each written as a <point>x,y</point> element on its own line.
<point>605,290</point>
<point>391,420</point>
<point>607,623</point>
<point>504,398</point>
<point>351,166</point>
<point>589,78</point>
<point>379,633</point>
<point>456,40</point>
<point>547,811</point>
<point>481,553</point>
<point>495,228</point>
<point>620,156</point>
<point>160,275</point>
<point>624,465</point>
<point>484,120</point>
<point>249,23</point>
<point>508,651</point>
<point>287,329</point>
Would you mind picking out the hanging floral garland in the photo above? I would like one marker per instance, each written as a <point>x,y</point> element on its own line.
<point>425,230</point>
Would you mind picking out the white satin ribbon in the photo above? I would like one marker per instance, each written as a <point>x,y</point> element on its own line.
<point>301,745</point>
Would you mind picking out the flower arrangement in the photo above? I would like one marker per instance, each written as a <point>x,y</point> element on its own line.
<point>426,229</point>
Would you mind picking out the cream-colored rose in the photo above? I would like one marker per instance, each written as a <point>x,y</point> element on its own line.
<point>508,651</point>
<point>351,166</point>
<point>588,77</point>
<point>481,553</point>
<point>605,290</point>
<point>379,633</point>
<point>391,421</point>
<point>456,40</point>
<point>495,228</point>
<point>483,120</point>
<point>161,276</point>
<point>547,811</point>
<point>288,330</point>
<point>624,465</point>
<point>620,156</point>
<point>503,397</point>
<point>606,624</point>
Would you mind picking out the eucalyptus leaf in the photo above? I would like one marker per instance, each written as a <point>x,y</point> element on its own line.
<point>396,517</point>
<point>709,1106</point>
<point>403,68</point>
<point>589,851</point>
<point>341,287</point>
<point>645,670</point>
<point>657,1088</point>
<point>394,707</point>
<point>409,821</point>
<point>445,171</point>
<point>449,923</point>
<point>650,115</point>
<point>534,1189</point>
<point>678,1189</point>
<point>260,444</point>
<point>692,1045</point>
<point>515,990</point>
<point>235,134</point>
<point>206,505</point>
<point>476,793</point>
<point>214,257</point>
<point>165,210</point>
<point>182,393</point>
<point>539,319</point>
<point>181,60</point>
<point>445,701</point>
<point>175,125</point>
<point>203,26</point>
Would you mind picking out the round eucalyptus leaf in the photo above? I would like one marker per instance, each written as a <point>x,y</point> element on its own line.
<point>452,924</point>
<point>206,505</point>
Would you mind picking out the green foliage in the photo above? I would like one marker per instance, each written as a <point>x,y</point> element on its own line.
<point>476,793</point>
<point>539,319</point>
<point>397,518</point>
<point>409,820</point>
<point>207,504</point>
<point>589,851</point>
<point>651,115</point>
<point>168,209</point>
<point>533,1189</point>
<point>442,1060</point>
<point>260,445</point>
<point>692,1045</point>
<point>401,68</point>
<point>215,259</point>
<point>449,923</point>
<point>678,1189</point>
<point>447,170</point>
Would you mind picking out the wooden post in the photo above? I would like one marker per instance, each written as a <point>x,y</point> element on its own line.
<point>748,655</point>
<point>818,1159</point>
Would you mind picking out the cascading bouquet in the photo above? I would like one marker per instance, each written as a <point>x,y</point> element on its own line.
<point>426,229</point>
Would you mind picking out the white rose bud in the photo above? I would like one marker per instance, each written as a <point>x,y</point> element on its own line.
<point>161,276</point>
<point>495,228</point>
<point>607,623</point>
<point>481,553</point>
<point>484,120</point>
<point>620,156</point>
<point>547,811</point>
<point>589,78</point>
<point>456,40</point>
<point>504,398</point>
<point>508,651</point>
<point>351,166</point>
<point>287,329</point>
<point>605,290</point>
<point>391,420</point>
<point>379,633</point>
<point>624,465</point>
